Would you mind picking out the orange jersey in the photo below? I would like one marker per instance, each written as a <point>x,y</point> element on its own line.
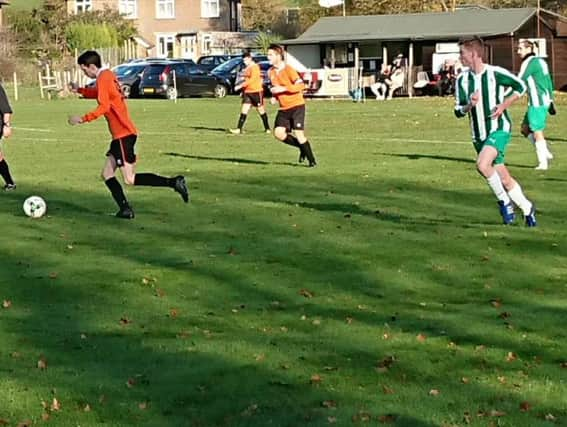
<point>252,79</point>
<point>288,77</point>
<point>111,105</point>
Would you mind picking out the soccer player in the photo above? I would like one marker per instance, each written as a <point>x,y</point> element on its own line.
<point>252,95</point>
<point>480,94</point>
<point>535,74</point>
<point>5,132</point>
<point>121,154</point>
<point>287,89</point>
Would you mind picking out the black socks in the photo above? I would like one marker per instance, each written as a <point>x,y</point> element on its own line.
<point>264,118</point>
<point>153,180</point>
<point>5,172</point>
<point>241,121</point>
<point>117,193</point>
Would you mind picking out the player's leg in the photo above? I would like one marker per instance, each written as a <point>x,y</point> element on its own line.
<point>536,119</point>
<point>127,164</point>
<point>298,126</point>
<point>485,161</point>
<point>5,173</point>
<point>108,175</point>
<point>262,111</point>
<point>243,115</point>
<point>516,194</point>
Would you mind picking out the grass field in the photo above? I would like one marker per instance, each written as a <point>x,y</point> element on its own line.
<point>376,289</point>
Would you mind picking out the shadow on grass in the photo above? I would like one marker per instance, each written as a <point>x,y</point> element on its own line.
<point>235,352</point>
<point>232,160</point>
<point>414,156</point>
<point>208,128</point>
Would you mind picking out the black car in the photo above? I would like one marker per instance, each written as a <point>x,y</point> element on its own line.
<point>209,62</point>
<point>128,76</point>
<point>228,71</point>
<point>190,80</point>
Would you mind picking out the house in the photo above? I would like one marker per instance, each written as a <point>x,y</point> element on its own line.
<point>366,42</point>
<point>179,28</point>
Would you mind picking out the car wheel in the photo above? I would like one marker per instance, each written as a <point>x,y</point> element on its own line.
<point>126,91</point>
<point>171,93</point>
<point>220,91</point>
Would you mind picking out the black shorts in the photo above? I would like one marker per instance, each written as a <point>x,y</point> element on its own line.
<point>292,119</point>
<point>256,99</point>
<point>123,150</point>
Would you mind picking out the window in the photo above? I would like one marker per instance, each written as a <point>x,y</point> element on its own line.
<point>210,9</point>
<point>128,8</point>
<point>83,6</point>
<point>206,44</point>
<point>165,9</point>
<point>165,43</point>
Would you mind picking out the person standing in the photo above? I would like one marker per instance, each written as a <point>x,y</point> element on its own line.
<point>121,154</point>
<point>535,74</point>
<point>252,95</point>
<point>479,94</point>
<point>287,89</point>
<point>5,132</point>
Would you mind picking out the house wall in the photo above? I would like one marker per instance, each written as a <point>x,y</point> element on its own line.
<point>187,19</point>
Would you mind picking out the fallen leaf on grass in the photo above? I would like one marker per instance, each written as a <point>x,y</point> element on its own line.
<point>550,417</point>
<point>332,420</point>
<point>465,380</point>
<point>173,313</point>
<point>143,405</point>
<point>232,251</point>
<point>131,382</point>
<point>306,293</point>
<point>42,363</point>
<point>315,379</point>
<point>6,303</point>
<point>434,392</point>
<point>329,404</point>
<point>87,408</point>
<point>55,405</point>
<point>387,390</point>
<point>26,423</point>
<point>386,336</point>
<point>496,413</point>
<point>53,275</point>
<point>45,416</point>
<point>525,406</point>
<point>505,315</point>
<point>496,303</point>
<point>563,365</point>
<point>362,417</point>
<point>385,364</point>
<point>421,337</point>
<point>16,355</point>
<point>349,320</point>
<point>510,357</point>
<point>259,357</point>
<point>387,419</point>
<point>125,321</point>
<point>250,410</point>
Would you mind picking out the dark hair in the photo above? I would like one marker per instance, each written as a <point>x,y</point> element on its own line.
<point>247,54</point>
<point>278,49</point>
<point>531,44</point>
<point>90,57</point>
<point>474,43</point>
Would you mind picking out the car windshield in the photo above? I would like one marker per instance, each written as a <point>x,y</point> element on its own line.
<point>228,65</point>
<point>154,69</point>
<point>128,70</point>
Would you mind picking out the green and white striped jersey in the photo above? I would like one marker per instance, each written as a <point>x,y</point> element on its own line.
<point>535,73</point>
<point>493,84</point>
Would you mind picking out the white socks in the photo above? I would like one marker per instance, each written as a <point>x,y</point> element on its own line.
<point>495,184</point>
<point>542,152</point>
<point>517,196</point>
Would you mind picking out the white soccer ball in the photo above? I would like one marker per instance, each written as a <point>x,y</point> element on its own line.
<point>35,207</point>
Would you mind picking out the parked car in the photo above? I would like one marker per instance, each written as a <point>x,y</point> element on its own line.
<point>228,71</point>
<point>128,76</point>
<point>190,80</point>
<point>208,62</point>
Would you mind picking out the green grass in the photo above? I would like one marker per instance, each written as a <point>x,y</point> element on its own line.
<point>282,295</point>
